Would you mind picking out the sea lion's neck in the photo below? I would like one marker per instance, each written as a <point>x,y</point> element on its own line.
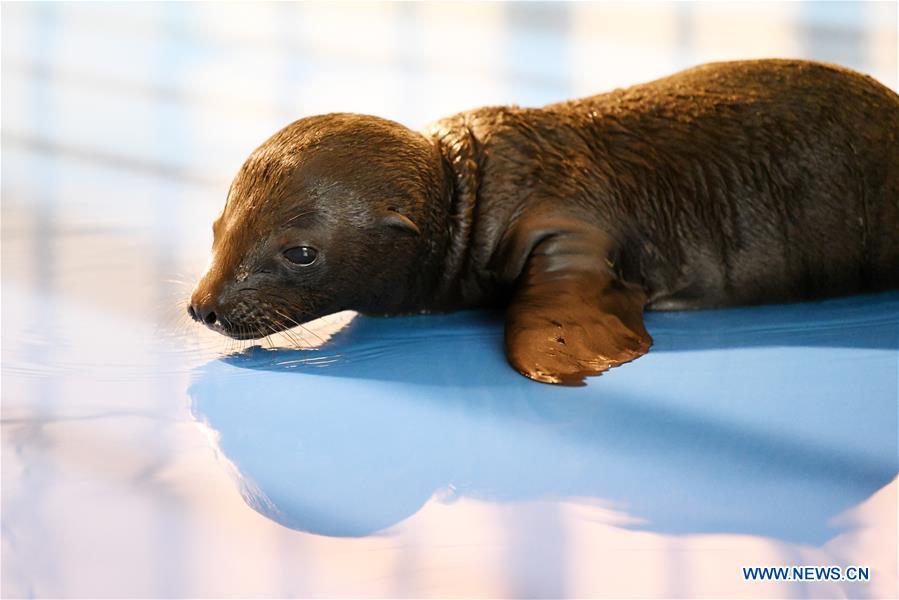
<point>459,150</point>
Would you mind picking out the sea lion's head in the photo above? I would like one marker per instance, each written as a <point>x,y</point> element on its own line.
<point>334,212</point>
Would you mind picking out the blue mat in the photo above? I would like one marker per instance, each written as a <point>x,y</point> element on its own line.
<point>766,421</point>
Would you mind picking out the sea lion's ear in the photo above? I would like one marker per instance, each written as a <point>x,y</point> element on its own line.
<point>570,316</point>
<point>392,218</point>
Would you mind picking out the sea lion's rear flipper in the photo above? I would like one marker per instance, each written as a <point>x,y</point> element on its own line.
<point>570,317</point>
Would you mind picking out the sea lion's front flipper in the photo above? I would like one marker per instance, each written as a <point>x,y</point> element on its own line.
<point>570,317</point>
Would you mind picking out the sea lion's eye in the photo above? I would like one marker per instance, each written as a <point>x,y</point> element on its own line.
<point>301,255</point>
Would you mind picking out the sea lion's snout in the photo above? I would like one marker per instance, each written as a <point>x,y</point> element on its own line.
<point>203,309</point>
<point>230,307</point>
<point>206,306</point>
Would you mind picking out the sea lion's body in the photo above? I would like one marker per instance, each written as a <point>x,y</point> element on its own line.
<point>730,183</point>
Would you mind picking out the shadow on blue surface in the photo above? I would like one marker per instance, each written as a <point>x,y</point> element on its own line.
<point>768,421</point>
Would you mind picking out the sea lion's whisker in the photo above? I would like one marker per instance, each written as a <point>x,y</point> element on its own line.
<point>295,339</point>
<point>312,333</point>
<point>268,326</point>
<point>287,320</point>
<point>301,326</point>
<point>280,328</point>
<point>295,323</point>
<point>284,330</point>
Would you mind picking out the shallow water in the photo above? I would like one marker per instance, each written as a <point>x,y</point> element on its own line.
<point>144,456</point>
<point>391,412</point>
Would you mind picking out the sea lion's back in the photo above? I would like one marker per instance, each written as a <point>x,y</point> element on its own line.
<point>770,180</point>
<point>799,83</point>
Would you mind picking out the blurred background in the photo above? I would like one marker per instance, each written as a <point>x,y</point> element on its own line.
<point>178,94</point>
<point>122,125</point>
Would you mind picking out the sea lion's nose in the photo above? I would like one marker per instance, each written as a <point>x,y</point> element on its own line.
<point>202,315</point>
<point>201,308</point>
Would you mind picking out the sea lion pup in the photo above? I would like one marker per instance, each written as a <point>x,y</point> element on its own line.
<point>726,184</point>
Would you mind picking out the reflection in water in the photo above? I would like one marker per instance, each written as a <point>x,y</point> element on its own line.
<point>737,421</point>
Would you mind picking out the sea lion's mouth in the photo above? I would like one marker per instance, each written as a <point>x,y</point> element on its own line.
<point>246,321</point>
<point>245,335</point>
<point>245,331</point>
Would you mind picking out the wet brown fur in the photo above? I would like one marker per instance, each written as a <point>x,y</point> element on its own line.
<point>727,184</point>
